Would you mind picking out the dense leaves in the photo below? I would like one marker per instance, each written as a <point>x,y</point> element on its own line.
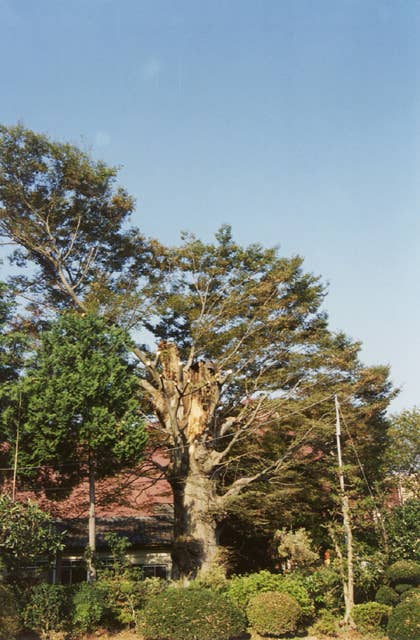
<point>403,571</point>
<point>89,607</point>
<point>191,614</point>
<point>371,616</point>
<point>273,614</point>
<point>63,211</point>
<point>404,621</point>
<point>26,533</point>
<point>242,589</point>
<point>403,531</point>
<point>47,608</point>
<point>79,401</point>
<point>403,456</point>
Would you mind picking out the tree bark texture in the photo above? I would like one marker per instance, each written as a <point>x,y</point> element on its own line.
<point>195,522</point>
<point>92,525</point>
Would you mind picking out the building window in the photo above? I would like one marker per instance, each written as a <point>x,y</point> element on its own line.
<point>72,571</point>
<point>40,571</point>
<point>154,571</point>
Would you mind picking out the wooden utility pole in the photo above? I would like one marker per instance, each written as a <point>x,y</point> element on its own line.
<point>348,572</point>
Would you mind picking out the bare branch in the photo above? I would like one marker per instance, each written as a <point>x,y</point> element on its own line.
<point>242,430</point>
<point>73,240</point>
<point>270,470</point>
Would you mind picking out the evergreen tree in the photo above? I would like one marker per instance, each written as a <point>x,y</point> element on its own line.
<point>79,406</point>
<point>14,343</point>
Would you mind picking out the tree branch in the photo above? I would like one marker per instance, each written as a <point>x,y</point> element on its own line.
<point>269,470</point>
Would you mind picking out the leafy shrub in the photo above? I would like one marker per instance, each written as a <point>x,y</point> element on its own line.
<point>125,595</point>
<point>369,566</point>
<point>402,587</point>
<point>295,548</point>
<point>273,613</point>
<point>412,594</point>
<point>404,621</point>
<point>242,588</point>
<point>327,624</point>
<point>403,529</point>
<point>47,608</point>
<point>89,606</point>
<point>191,614</point>
<point>119,546</point>
<point>25,522</point>
<point>293,586</point>
<point>214,579</point>
<point>404,571</point>
<point>371,616</point>
<point>324,587</point>
<point>9,619</point>
<point>387,595</point>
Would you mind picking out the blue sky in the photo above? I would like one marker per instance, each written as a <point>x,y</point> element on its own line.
<point>296,121</point>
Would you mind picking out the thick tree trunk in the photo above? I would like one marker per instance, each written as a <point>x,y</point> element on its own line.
<point>195,521</point>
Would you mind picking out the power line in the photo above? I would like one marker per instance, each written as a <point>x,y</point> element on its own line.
<point>359,462</point>
<point>362,469</point>
<point>179,448</point>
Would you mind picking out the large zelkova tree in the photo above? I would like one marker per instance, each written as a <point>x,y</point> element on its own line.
<point>243,383</point>
<point>78,408</point>
<point>238,350</point>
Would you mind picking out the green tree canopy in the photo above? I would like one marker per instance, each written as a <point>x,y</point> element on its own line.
<point>68,219</point>
<point>79,400</point>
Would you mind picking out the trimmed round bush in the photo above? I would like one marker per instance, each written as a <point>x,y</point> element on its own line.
<point>273,613</point>
<point>191,614</point>
<point>47,608</point>
<point>402,587</point>
<point>404,571</point>
<point>292,586</point>
<point>371,616</point>
<point>242,589</point>
<point>412,594</point>
<point>387,595</point>
<point>9,619</point>
<point>404,621</point>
